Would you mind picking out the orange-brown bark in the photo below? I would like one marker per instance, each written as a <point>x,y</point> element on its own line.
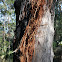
<point>28,40</point>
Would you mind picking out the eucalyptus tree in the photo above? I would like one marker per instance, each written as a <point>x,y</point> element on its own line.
<point>34,32</point>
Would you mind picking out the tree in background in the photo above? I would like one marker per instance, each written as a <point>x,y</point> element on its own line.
<point>58,32</point>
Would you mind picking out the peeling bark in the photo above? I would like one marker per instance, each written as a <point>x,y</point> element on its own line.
<point>35,30</point>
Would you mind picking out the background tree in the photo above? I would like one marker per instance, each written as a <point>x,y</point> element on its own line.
<point>58,32</point>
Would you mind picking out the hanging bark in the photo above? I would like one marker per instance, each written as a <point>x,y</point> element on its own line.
<point>35,30</point>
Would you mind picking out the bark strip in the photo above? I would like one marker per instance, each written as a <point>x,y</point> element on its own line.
<point>28,39</point>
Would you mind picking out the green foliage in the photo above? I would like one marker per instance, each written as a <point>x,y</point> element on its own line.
<point>6,6</point>
<point>7,27</point>
<point>57,45</point>
<point>3,48</point>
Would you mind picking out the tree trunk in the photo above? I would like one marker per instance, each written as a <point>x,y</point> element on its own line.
<point>44,31</point>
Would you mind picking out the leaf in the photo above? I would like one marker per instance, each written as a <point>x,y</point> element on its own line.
<point>2,56</point>
<point>10,52</point>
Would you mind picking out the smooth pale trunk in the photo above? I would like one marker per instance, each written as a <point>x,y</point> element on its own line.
<point>44,39</point>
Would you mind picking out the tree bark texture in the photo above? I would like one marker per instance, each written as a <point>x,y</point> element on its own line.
<point>34,31</point>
